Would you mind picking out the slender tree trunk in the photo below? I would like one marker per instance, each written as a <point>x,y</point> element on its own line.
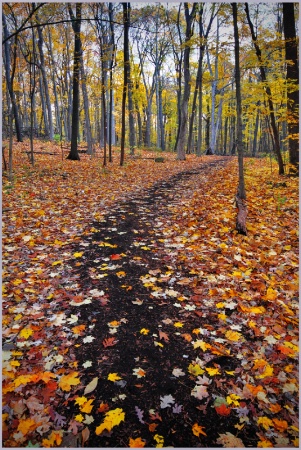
<point>268,92</point>
<point>86,106</point>
<point>126,24</point>
<point>241,192</point>
<point>49,120</point>
<point>132,134</point>
<point>76,24</point>
<point>292,76</point>
<point>112,58</point>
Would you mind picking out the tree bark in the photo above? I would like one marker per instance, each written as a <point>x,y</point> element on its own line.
<point>292,76</point>
<point>126,24</point>
<point>76,24</point>
<point>10,77</point>
<point>241,192</point>
<point>181,143</point>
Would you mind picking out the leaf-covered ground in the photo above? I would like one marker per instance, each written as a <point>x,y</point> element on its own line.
<point>133,313</point>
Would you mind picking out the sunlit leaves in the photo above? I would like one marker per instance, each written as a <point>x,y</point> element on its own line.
<point>198,429</point>
<point>69,380</point>
<point>113,377</point>
<point>112,419</point>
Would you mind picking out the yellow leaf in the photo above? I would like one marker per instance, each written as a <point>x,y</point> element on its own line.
<point>54,440</point>
<point>198,429</point>
<point>78,254</point>
<point>112,418</point>
<point>144,331</point>
<point>271,294</point>
<point>18,316</point>
<point>268,372</point>
<point>87,407</point>
<point>81,400</point>
<point>17,281</point>
<point>79,418</point>
<point>121,274</point>
<point>233,335</point>
<point>113,377</point>
<point>145,248</point>
<point>26,425</point>
<point>69,380</point>
<point>220,305</point>
<point>26,333</point>
<point>195,370</point>
<point>78,329</point>
<point>55,263</point>
<point>15,363</point>
<point>178,324</point>
<point>232,398</point>
<point>136,443</point>
<point>201,344</point>
<point>211,371</point>
<point>265,422</point>
<point>222,316</point>
<point>160,440</point>
<point>232,372</point>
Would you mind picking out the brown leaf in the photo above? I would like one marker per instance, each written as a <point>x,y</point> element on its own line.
<point>85,435</point>
<point>164,336</point>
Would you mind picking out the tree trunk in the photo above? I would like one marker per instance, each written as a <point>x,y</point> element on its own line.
<point>112,58</point>
<point>292,76</point>
<point>268,92</point>
<point>86,106</point>
<point>10,77</point>
<point>181,144</point>
<point>49,120</point>
<point>76,25</point>
<point>241,192</point>
<point>126,24</point>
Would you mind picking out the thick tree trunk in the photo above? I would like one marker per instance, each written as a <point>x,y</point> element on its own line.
<point>76,24</point>
<point>126,24</point>
<point>10,77</point>
<point>241,192</point>
<point>292,76</point>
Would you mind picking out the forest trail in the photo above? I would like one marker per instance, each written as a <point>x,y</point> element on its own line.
<point>140,282</point>
<point>160,325</point>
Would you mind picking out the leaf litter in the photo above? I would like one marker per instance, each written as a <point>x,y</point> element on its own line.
<point>218,351</point>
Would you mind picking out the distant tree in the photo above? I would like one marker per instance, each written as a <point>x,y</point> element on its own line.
<point>292,76</point>
<point>76,25</point>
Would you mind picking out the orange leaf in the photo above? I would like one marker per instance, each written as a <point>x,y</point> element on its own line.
<point>136,443</point>
<point>280,425</point>
<point>152,427</point>
<point>26,425</point>
<point>197,430</point>
<point>187,337</point>
<point>103,407</point>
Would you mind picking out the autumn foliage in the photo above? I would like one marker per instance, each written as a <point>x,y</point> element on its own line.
<point>220,309</point>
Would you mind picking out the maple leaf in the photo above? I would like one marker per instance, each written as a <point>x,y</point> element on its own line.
<point>265,422</point>
<point>178,372</point>
<point>87,406</point>
<point>88,339</point>
<point>113,377</point>
<point>78,329</point>
<point>232,398</point>
<point>166,401</point>
<point>81,400</point>
<point>87,364</point>
<point>233,335</point>
<point>78,254</point>
<point>177,409</point>
<point>112,419</point>
<point>136,443</point>
<point>198,429</point>
<point>195,369</point>
<point>211,371</point>
<point>26,425</point>
<point>200,392</point>
<point>26,333</point>
<point>163,336</point>
<point>69,380</point>
<point>109,342</point>
<point>139,372</point>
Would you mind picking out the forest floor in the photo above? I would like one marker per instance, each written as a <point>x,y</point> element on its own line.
<point>134,315</point>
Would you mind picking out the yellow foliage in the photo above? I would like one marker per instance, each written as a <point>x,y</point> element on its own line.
<point>265,422</point>
<point>112,418</point>
<point>69,380</point>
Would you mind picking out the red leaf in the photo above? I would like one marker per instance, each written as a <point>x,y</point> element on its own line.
<point>109,342</point>
<point>223,410</point>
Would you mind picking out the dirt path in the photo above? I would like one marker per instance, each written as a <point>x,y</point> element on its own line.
<point>141,310</point>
